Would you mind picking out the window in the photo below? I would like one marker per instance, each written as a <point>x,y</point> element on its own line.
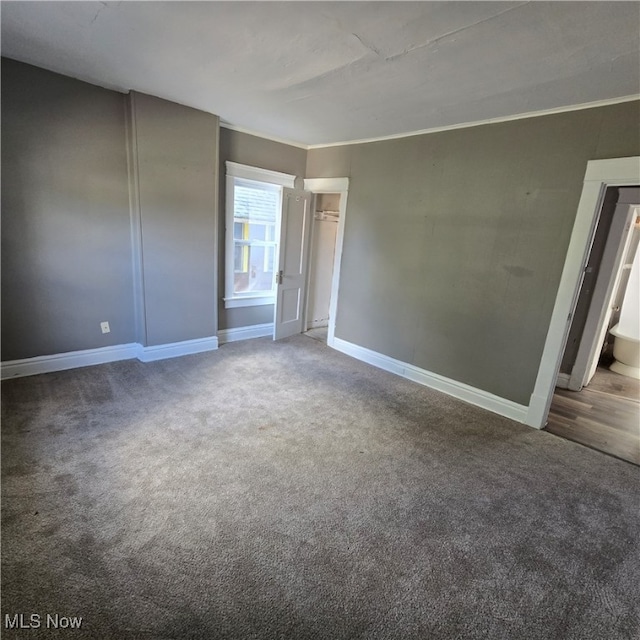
<point>254,202</point>
<point>256,208</point>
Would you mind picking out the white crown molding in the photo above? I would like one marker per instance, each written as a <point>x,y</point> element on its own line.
<point>245,333</point>
<point>479,123</point>
<point>464,125</point>
<point>264,136</point>
<point>464,392</point>
<point>420,132</point>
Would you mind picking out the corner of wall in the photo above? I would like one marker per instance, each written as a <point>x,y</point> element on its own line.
<point>135,219</point>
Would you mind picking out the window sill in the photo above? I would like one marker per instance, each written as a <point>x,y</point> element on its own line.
<point>248,301</point>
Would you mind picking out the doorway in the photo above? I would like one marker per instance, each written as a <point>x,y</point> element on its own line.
<point>599,175</point>
<point>323,248</point>
<point>594,404</point>
<point>603,286</point>
<point>327,234</point>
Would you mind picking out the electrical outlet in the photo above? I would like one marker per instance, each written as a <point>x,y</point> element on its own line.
<point>105,327</point>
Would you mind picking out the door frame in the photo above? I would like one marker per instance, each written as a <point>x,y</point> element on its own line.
<point>609,274</point>
<point>341,186</point>
<point>599,175</point>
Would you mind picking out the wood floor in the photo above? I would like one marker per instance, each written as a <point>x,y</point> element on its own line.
<point>605,415</point>
<point>320,334</point>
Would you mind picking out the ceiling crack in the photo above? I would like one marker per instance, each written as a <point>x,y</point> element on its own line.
<point>367,45</point>
<point>451,33</point>
<point>99,11</point>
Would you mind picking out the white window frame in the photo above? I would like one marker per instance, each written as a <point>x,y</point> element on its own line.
<point>263,176</point>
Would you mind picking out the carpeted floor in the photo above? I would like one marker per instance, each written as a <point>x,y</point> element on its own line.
<point>284,490</point>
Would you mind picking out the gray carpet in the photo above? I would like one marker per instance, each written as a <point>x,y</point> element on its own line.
<point>284,490</point>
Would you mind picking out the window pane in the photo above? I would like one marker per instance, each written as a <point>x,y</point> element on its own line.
<point>240,260</point>
<point>254,269</point>
<point>257,232</point>
<point>269,259</point>
<point>255,214</point>
<point>255,205</point>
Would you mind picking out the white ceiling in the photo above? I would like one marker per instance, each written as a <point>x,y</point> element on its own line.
<point>322,72</point>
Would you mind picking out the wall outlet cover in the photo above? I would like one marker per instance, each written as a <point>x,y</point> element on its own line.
<point>105,327</point>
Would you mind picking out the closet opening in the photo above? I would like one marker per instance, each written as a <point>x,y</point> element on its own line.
<point>327,236</point>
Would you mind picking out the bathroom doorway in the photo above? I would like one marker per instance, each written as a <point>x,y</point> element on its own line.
<point>603,287</point>
<point>593,404</point>
<point>599,176</point>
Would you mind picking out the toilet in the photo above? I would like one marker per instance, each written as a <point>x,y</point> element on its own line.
<point>626,351</point>
<point>626,334</point>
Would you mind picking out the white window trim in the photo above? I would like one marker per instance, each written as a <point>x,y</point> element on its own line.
<point>256,174</point>
<point>236,170</point>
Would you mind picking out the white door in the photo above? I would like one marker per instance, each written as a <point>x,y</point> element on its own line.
<point>599,314</point>
<point>295,225</point>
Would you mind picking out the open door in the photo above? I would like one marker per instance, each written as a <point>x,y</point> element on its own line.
<point>608,275</point>
<point>295,224</point>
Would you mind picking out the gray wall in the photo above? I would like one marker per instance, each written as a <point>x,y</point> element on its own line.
<point>71,256</point>
<point>176,151</point>
<point>265,154</point>
<point>66,250</point>
<point>455,241</point>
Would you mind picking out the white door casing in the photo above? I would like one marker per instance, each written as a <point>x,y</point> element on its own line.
<point>341,186</point>
<point>599,175</point>
<point>599,314</point>
<point>295,225</point>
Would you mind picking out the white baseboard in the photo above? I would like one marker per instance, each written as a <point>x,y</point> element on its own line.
<point>562,380</point>
<point>88,357</point>
<point>245,333</point>
<point>69,360</point>
<point>538,411</point>
<point>453,388</point>
<point>74,359</point>
<point>176,349</point>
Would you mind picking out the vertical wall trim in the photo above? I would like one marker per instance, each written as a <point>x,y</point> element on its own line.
<point>216,223</point>
<point>135,216</point>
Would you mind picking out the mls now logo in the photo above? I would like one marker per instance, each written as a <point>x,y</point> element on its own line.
<point>35,621</point>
